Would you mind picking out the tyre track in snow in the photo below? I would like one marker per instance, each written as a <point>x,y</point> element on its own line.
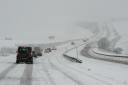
<point>4,73</point>
<point>68,75</point>
<point>85,70</point>
<point>91,75</point>
<point>68,72</point>
<point>79,78</point>
<point>43,79</point>
<point>26,78</point>
<point>74,81</point>
<point>98,77</point>
<point>53,66</point>
<point>47,74</point>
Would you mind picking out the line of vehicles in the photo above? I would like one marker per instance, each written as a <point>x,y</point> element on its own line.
<point>25,54</point>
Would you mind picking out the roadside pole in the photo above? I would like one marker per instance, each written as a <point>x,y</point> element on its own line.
<point>77,55</point>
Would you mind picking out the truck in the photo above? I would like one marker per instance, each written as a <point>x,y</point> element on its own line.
<point>24,55</point>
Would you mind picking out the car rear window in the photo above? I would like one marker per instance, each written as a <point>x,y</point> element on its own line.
<point>23,50</point>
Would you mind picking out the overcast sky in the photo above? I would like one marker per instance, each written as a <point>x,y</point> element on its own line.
<point>37,19</point>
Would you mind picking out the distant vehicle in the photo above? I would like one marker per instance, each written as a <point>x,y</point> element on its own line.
<point>34,54</point>
<point>24,54</point>
<point>47,50</point>
<point>38,51</point>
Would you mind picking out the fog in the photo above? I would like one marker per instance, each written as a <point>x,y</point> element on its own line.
<point>38,19</point>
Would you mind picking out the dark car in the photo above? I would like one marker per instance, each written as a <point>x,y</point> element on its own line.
<point>34,54</point>
<point>38,51</point>
<point>24,55</point>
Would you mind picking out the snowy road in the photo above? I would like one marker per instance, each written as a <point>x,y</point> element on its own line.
<point>54,69</point>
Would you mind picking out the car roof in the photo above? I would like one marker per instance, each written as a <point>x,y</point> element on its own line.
<point>24,47</point>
